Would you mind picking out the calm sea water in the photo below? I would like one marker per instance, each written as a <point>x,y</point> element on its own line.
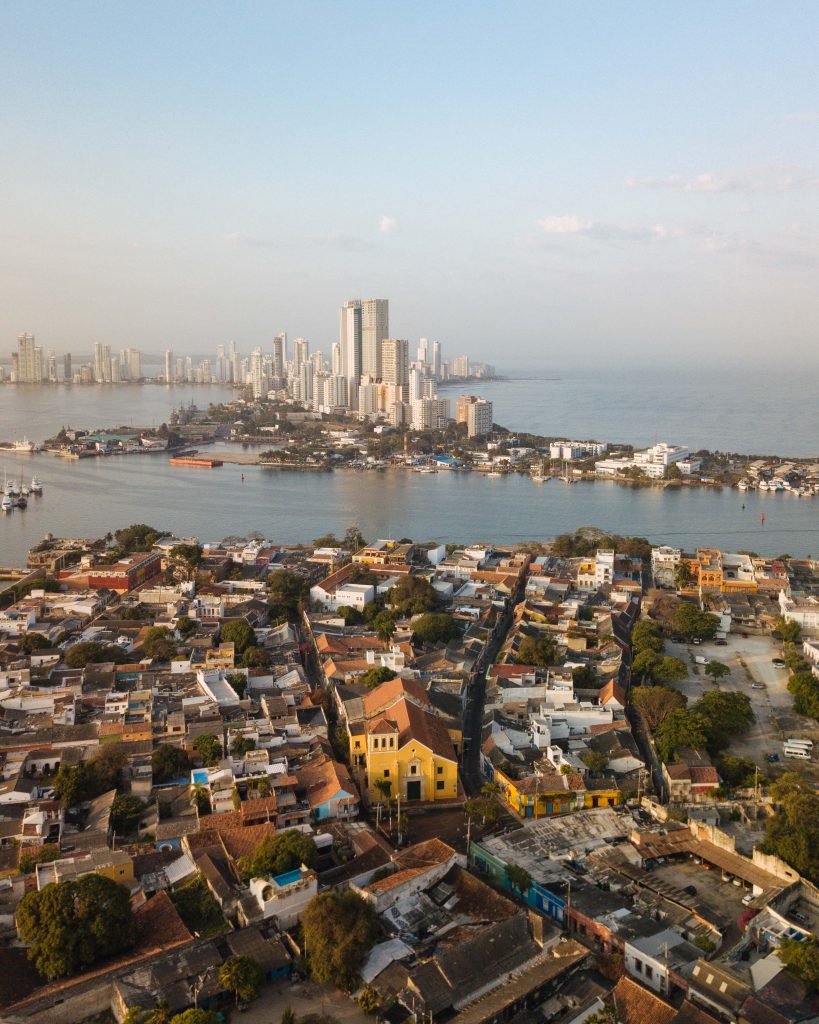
<point>92,496</point>
<point>772,411</point>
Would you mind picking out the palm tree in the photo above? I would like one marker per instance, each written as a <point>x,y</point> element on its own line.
<point>383,787</point>
<point>491,788</point>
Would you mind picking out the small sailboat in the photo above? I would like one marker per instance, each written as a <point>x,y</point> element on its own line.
<point>6,504</point>
<point>21,501</point>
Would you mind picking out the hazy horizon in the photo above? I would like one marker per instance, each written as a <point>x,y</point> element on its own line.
<point>533,184</point>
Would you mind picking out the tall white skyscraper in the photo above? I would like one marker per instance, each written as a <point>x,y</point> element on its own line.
<point>301,353</point>
<point>423,351</point>
<point>102,363</point>
<point>436,359</point>
<point>28,370</point>
<point>415,385</point>
<point>395,364</point>
<point>349,338</point>
<point>169,366</point>
<point>279,355</point>
<point>258,375</point>
<point>375,327</point>
<point>335,359</point>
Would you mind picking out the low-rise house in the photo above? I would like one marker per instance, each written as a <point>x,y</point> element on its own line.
<point>285,897</point>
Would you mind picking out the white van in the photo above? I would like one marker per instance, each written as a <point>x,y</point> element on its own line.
<point>794,742</point>
<point>797,752</point>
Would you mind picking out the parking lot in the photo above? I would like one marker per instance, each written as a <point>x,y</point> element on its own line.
<point>750,662</point>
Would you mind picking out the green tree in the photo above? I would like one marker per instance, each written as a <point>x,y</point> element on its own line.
<point>186,626</point>
<point>208,747</point>
<point>537,650</point>
<point>788,632</point>
<point>68,926</point>
<point>126,812</point>
<point>31,642</point>
<point>198,908</point>
<point>168,762</point>
<point>413,595</point>
<point>185,559</point>
<point>645,664</point>
<point>736,772</point>
<point>384,626</point>
<point>435,628</point>
<point>91,652</point>
<point>680,729</point>
<point>287,593</point>
<point>376,676</point>
<point>239,633</point>
<point>647,636</point>
<point>242,744</point>
<point>683,576</point>
<point>595,761</point>
<point>670,670</point>
<point>242,976</point>
<point>725,715</point>
<point>158,644</point>
<point>255,657</point>
<point>695,624</point>
<point>276,854</point>
<point>137,537</point>
<point>716,670</point>
<point>802,957</point>
<point>339,931</point>
<point>195,1016</point>
<point>483,807</point>
<point>519,878</point>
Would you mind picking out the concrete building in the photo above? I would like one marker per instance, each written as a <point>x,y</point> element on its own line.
<point>430,413</point>
<point>169,366</point>
<point>395,364</point>
<point>476,413</point>
<point>375,327</point>
<point>279,355</point>
<point>28,371</point>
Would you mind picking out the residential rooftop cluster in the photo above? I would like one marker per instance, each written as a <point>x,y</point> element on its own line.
<point>540,777</point>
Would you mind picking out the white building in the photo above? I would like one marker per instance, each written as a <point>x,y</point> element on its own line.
<point>286,896</point>
<point>430,413</point>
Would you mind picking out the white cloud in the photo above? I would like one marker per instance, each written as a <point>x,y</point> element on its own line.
<point>387,225</point>
<point>564,225</point>
<point>569,224</point>
<point>755,179</point>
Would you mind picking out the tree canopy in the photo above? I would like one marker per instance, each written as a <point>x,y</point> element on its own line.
<point>126,813</point>
<point>168,762</point>
<point>239,633</point>
<point>75,783</point>
<point>376,676</point>
<point>242,976</point>
<point>519,878</point>
<point>70,925</point>
<point>802,957</point>
<point>413,595</point>
<point>695,624</point>
<point>793,832</point>
<point>158,643</point>
<point>286,593</point>
<point>276,854</point>
<point>209,748</point>
<point>92,652</point>
<point>537,650</point>
<point>339,931</point>
<point>435,628</point>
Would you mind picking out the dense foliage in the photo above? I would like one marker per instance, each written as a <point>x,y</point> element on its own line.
<point>198,909</point>
<point>92,652</point>
<point>339,931</point>
<point>793,832</point>
<point>75,783</point>
<point>70,925</point>
<point>434,628</point>
<point>279,853</point>
<point>168,762</point>
<point>208,747</point>
<point>376,676</point>
<point>537,650</point>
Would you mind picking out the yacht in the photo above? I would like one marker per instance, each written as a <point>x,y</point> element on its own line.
<point>6,504</point>
<point>763,485</point>
<point>494,473</point>
<point>743,484</point>
<point>24,446</point>
<point>21,501</point>
<point>36,486</point>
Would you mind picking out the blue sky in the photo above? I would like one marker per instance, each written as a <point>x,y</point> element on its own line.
<point>524,181</point>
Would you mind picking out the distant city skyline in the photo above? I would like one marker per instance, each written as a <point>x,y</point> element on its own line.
<point>529,182</point>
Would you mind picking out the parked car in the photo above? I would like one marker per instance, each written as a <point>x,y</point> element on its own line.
<point>778,662</point>
<point>772,758</point>
<point>747,899</point>
<point>757,686</point>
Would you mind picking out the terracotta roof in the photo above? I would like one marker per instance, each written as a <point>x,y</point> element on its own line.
<point>634,1004</point>
<point>678,772</point>
<point>240,842</point>
<point>394,880</point>
<point>322,779</point>
<point>259,808</point>
<point>387,693</point>
<point>704,775</point>
<point>420,726</point>
<point>621,723</point>
<point>612,689</point>
<point>431,851</point>
<point>382,725</point>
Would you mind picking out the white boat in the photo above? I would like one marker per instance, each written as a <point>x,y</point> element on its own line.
<point>6,504</point>
<point>763,485</point>
<point>21,501</point>
<point>743,485</point>
<point>36,486</point>
<point>494,473</point>
<point>24,446</point>
<point>538,479</point>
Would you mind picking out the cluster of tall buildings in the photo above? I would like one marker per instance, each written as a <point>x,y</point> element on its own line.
<point>368,372</point>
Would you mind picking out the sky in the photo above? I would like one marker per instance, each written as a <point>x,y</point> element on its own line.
<point>536,184</point>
